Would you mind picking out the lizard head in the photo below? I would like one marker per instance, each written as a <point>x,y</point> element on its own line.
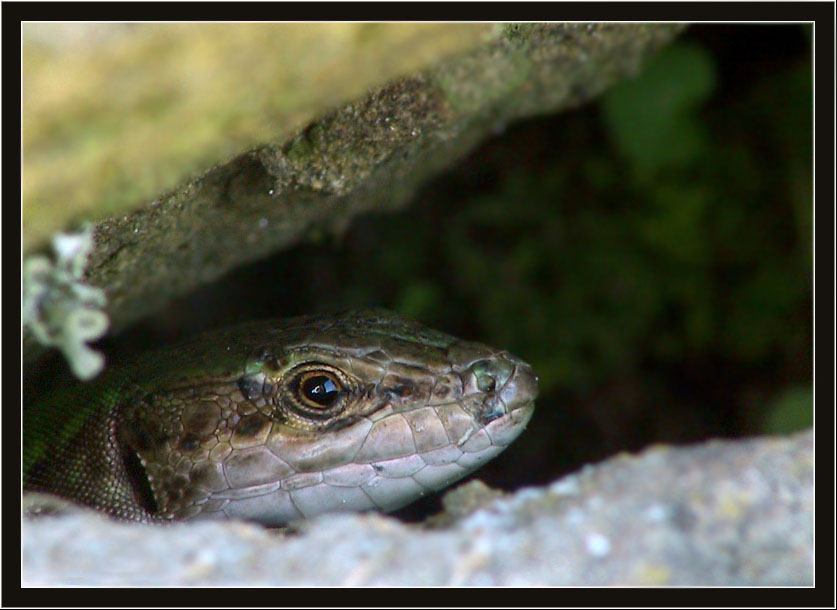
<point>360,411</point>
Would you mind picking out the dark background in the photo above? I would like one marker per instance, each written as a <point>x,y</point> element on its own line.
<point>649,254</point>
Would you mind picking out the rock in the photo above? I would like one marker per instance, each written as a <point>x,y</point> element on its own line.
<point>719,513</point>
<point>367,155</point>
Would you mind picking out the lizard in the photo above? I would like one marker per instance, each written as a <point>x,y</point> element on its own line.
<point>273,421</point>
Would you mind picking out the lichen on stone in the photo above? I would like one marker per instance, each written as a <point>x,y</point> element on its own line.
<point>61,309</point>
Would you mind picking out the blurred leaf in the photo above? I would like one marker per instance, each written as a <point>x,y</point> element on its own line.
<point>793,410</point>
<point>652,119</point>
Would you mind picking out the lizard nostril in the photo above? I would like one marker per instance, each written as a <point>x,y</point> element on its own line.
<point>491,374</point>
<point>486,383</point>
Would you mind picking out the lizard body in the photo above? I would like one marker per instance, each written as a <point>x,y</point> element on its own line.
<point>278,420</point>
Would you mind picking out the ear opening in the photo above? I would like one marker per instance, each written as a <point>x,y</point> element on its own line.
<point>138,479</point>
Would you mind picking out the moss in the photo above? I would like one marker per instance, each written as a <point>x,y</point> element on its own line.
<point>470,88</point>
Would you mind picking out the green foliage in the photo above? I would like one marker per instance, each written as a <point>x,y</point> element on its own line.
<point>649,256</point>
<point>690,244</point>
<point>793,410</point>
<point>653,119</point>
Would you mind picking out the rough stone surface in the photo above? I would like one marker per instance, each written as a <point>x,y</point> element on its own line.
<point>366,156</point>
<point>117,113</point>
<point>719,513</point>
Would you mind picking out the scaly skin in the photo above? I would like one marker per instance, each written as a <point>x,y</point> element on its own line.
<point>280,420</point>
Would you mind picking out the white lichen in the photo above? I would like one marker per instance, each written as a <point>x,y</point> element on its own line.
<point>59,308</point>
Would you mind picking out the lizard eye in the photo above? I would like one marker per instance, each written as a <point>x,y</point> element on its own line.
<point>316,392</point>
<point>319,389</point>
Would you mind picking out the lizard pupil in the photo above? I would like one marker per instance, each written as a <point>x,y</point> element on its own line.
<point>321,390</point>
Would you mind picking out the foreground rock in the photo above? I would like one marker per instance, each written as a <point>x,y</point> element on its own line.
<point>720,513</point>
